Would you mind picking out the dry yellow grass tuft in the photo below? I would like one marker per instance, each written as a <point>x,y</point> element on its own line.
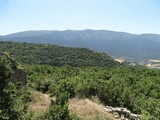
<point>88,110</point>
<point>39,104</point>
<point>82,108</point>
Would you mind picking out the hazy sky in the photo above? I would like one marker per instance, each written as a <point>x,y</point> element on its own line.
<point>134,16</point>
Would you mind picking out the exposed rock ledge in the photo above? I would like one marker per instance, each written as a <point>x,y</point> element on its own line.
<point>18,75</point>
<point>122,113</point>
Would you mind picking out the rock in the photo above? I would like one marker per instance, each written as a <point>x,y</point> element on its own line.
<point>126,110</point>
<point>134,116</point>
<point>116,115</point>
<point>122,117</point>
<point>108,110</point>
<point>119,109</point>
<point>18,75</point>
<point>122,113</point>
<point>113,109</point>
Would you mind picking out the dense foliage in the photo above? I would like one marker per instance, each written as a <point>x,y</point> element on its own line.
<point>135,88</point>
<point>55,55</point>
<point>59,110</point>
<point>75,73</point>
<point>14,98</point>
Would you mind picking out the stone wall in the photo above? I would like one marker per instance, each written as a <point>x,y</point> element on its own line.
<point>122,113</point>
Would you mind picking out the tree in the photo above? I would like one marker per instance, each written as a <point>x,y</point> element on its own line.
<point>59,111</point>
<point>5,74</point>
<point>14,98</point>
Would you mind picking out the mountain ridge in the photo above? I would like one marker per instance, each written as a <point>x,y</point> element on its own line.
<point>115,44</point>
<point>78,31</point>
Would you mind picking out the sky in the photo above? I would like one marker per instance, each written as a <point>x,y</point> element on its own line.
<point>133,16</point>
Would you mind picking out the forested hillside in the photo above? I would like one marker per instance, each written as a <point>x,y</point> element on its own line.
<point>134,88</point>
<point>55,55</point>
<point>14,98</point>
<point>115,44</point>
<point>74,73</point>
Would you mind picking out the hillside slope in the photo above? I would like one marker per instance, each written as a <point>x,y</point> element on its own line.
<point>83,108</point>
<point>55,55</point>
<point>116,44</point>
<point>89,110</point>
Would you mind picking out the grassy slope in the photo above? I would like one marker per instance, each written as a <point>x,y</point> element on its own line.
<point>39,104</point>
<point>85,109</point>
<point>88,110</point>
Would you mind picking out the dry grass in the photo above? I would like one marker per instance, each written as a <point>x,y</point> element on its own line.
<point>88,110</point>
<point>83,108</point>
<point>39,104</point>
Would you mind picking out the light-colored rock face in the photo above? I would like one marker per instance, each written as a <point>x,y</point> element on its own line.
<point>122,113</point>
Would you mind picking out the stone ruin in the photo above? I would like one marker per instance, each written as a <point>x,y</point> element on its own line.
<point>122,113</point>
<point>18,75</point>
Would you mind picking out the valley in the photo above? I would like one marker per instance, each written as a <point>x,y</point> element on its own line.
<point>149,63</point>
<point>79,60</point>
<point>72,77</point>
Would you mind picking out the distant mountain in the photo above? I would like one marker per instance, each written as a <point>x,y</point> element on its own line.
<point>55,55</point>
<point>116,44</point>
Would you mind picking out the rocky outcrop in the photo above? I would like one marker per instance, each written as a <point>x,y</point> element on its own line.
<point>18,75</point>
<point>122,113</point>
